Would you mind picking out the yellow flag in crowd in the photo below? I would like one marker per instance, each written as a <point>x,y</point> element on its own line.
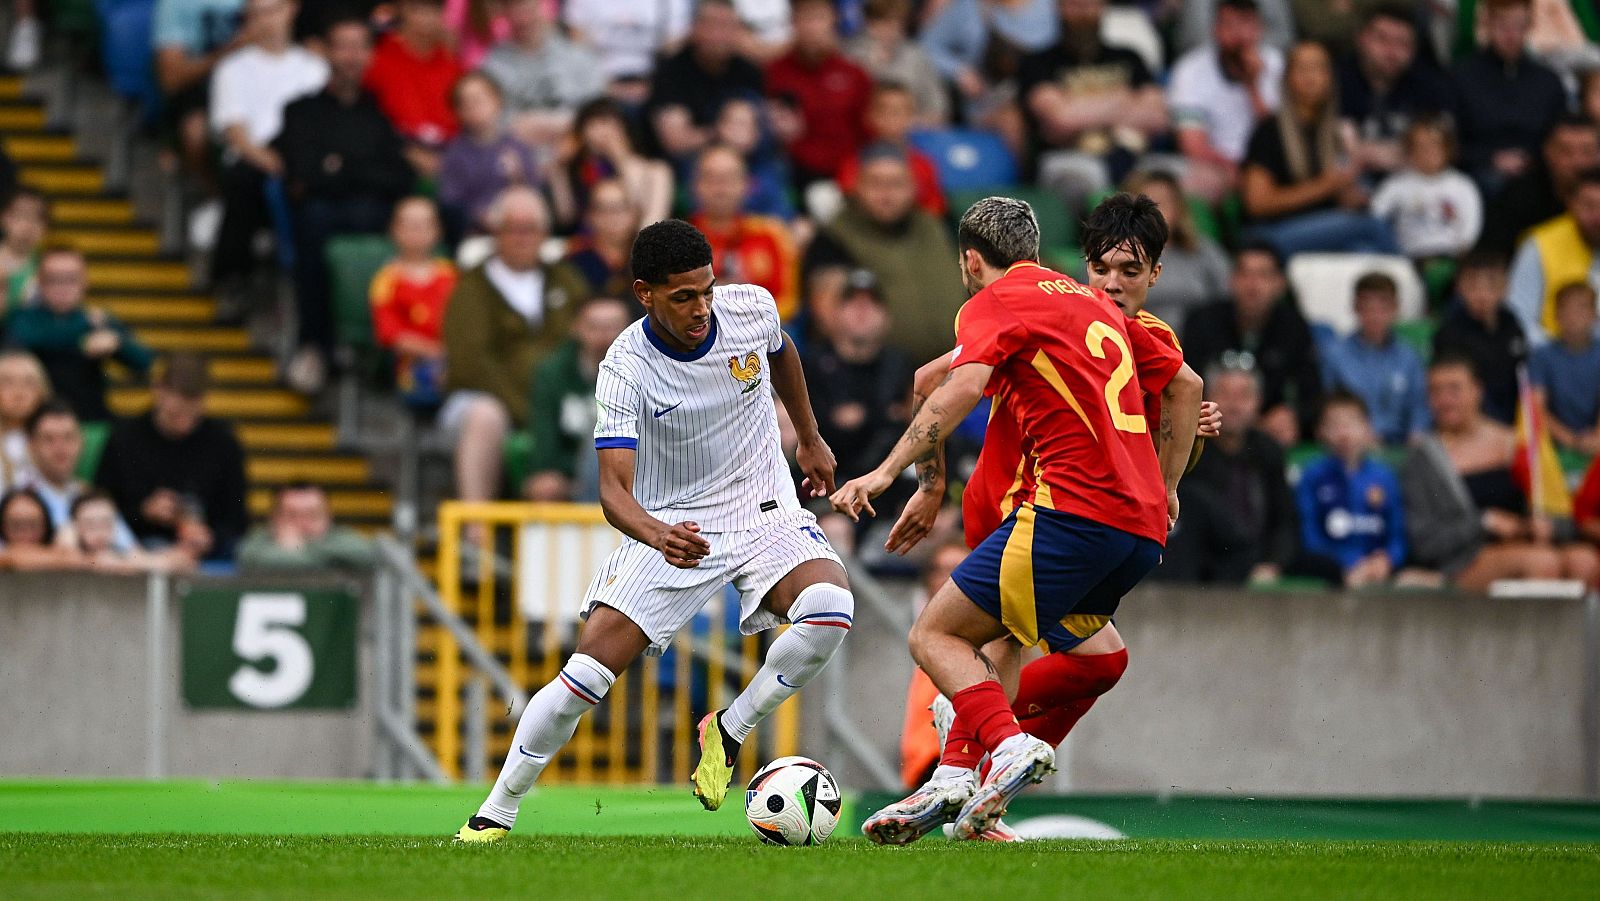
<point>1536,455</point>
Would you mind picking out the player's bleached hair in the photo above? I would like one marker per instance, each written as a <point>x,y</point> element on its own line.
<point>1002,230</point>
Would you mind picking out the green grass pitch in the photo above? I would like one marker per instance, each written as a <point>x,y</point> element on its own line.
<point>238,840</point>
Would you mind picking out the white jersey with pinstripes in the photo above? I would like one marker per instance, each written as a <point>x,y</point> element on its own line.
<point>703,424</point>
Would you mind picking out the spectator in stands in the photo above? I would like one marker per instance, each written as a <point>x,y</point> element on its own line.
<point>412,72</point>
<point>1554,255</point>
<point>25,43</point>
<point>544,76</point>
<point>27,540</point>
<point>919,739</point>
<point>1194,267</point>
<point>343,170</point>
<point>1572,148</point>
<point>887,52</point>
<point>561,416</point>
<point>600,254</point>
<point>881,229</point>
<point>24,220</point>
<point>1480,327</point>
<point>822,93</point>
<point>249,91</point>
<point>1238,522</point>
<point>1434,210</point>
<point>1090,108</point>
<point>475,26</point>
<point>860,383</point>
<point>1352,518</point>
<point>190,38</point>
<point>503,319</point>
<point>978,45</point>
<point>741,125</point>
<point>1261,329</point>
<point>1589,95</point>
<point>1377,367</point>
<point>692,84</point>
<point>1566,372</point>
<point>55,445</point>
<point>1217,94</point>
<point>1586,505</point>
<point>484,159</point>
<point>627,35</point>
<point>23,387</point>
<point>757,250</point>
<point>74,342</point>
<point>177,474</point>
<point>302,535</point>
<point>890,118</point>
<point>1196,19</point>
<point>1506,101</point>
<point>408,298</point>
<point>1466,516</point>
<point>604,149</point>
<point>1300,187</point>
<point>1383,87</point>
<point>95,532</point>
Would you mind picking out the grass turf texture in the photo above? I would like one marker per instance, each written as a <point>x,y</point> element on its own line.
<point>242,867</point>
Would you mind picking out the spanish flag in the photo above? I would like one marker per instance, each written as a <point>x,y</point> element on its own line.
<point>1536,467</point>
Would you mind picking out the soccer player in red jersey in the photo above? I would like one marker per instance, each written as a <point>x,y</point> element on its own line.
<point>1074,376</point>
<point>1123,240</point>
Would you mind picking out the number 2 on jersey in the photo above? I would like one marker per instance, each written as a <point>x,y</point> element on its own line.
<point>1099,333</point>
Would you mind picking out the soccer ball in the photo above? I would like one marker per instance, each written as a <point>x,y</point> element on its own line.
<point>793,801</point>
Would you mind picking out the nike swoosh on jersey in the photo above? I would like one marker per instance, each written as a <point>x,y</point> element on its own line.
<point>665,410</point>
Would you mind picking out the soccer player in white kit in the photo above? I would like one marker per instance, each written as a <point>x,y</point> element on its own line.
<point>692,473</point>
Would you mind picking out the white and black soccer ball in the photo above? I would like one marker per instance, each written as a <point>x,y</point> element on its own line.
<point>793,801</point>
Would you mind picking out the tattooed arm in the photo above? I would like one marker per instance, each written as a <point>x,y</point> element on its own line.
<point>922,510</point>
<point>944,409</point>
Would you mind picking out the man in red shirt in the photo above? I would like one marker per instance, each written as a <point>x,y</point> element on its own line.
<point>827,90</point>
<point>1074,376</point>
<point>745,247</point>
<point>412,73</point>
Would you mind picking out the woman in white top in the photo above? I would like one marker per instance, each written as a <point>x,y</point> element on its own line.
<point>23,387</point>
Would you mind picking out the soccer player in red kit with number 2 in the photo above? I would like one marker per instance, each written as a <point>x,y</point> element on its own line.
<point>1074,375</point>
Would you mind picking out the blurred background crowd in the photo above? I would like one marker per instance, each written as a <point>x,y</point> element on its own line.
<point>1384,224</point>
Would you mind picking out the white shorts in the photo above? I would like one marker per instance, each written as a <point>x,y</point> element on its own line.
<point>661,598</point>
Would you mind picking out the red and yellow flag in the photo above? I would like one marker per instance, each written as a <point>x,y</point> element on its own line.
<point>1536,466</point>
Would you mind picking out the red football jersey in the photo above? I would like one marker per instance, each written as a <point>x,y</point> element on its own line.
<point>1070,373</point>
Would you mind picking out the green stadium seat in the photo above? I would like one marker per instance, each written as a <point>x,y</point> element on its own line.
<point>1419,334</point>
<point>94,446</point>
<point>518,459</point>
<point>1438,275</point>
<point>353,260</point>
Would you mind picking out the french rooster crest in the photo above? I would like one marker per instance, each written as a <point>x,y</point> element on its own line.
<point>748,372</point>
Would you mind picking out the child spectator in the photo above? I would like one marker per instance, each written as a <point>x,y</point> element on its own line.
<point>1480,327</point>
<point>1352,521</point>
<point>75,342</point>
<point>891,117</point>
<point>302,535</point>
<point>1567,372</point>
<point>562,411</point>
<point>24,386</point>
<point>408,297</point>
<point>97,534</point>
<point>888,54</point>
<point>27,540</point>
<point>484,159</point>
<point>601,254</point>
<point>411,74</point>
<point>1435,210</point>
<point>1384,372</point>
<point>24,220</point>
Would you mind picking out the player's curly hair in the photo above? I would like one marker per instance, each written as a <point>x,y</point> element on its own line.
<point>664,249</point>
<point>1125,220</point>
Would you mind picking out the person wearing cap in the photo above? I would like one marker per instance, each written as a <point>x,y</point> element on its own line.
<point>176,474</point>
<point>745,247</point>
<point>906,249</point>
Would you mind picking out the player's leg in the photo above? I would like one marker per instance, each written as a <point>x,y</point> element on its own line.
<point>608,645</point>
<point>1056,690</point>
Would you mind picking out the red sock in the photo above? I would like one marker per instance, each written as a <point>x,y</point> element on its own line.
<point>961,746</point>
<point>1055,681</point>
<point>1053,725</point>
<point>985,706</point>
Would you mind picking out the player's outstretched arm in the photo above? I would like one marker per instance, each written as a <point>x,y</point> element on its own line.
<point>814,456</point>
<point>680,544</point>
<point>1210,427</point>
<point>948,405</point>
<point>1180,419</point>
<point>922,510</point>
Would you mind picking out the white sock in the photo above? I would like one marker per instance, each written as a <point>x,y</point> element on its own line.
<point>548,723</point>
<point>944,772</point>
<point>821,617</point>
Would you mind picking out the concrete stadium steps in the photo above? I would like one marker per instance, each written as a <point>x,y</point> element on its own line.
<point>162,309</point>
<point>347,504</point>
<point>138,275</point>
<point>21,117</point>
<point>306,437</point>
<point>12,87</point>
<point>225,403</point>
<point>40,148</point>
<point>343,471</point>
<point>96,211</point>
<point>109,242</point>
<point>63,179</point>
<point>204,340</point>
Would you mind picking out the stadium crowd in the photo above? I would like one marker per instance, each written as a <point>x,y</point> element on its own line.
<point>510,150</point>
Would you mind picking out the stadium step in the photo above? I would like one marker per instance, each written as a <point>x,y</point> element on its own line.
<point>12,87</point>
<point>24,149</point>
<point>109,243</point>
<point>346,504</point>
<point>318,470</point>
<point>167,309</point>
<point>78,212</point>
<point>77,180</point>
<point>215,340</point>
<point>224,402</point>
<point>21,117</point>
<point>305,437</point>
<point>138,275</point>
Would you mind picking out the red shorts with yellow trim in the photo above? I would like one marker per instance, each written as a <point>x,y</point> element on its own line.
<point>1054,577</point>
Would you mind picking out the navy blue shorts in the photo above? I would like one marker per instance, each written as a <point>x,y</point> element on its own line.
<point>1054,577</point>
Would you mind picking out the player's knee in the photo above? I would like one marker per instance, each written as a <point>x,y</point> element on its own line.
<point>586,677</point>
<point>1107,670</point>
<point>826,609</point>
